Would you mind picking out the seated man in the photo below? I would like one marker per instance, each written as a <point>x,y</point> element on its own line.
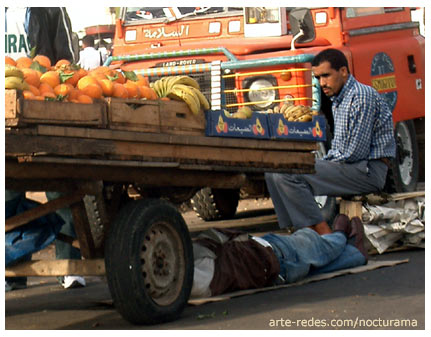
<point>227,261</point>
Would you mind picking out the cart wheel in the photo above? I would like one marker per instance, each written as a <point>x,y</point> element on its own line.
<point>215,204</point>
<point>149,262</point>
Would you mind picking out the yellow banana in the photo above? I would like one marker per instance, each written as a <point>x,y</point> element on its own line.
<point>170,83</point>
<point>187,80</point>
<point>13,82</point>
<point>285,106</point>
<point>12,71</point>
<point>304,118</point>
<point>187,89</point>
<point>202,99</point>
<point>191,100</point>
<point>292,112</point>
<point>300,112</point>
<point>158,88</point>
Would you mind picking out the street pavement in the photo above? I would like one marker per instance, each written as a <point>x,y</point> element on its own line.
<point>385,298</point>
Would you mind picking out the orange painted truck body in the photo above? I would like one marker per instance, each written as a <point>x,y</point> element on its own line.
<point>383,46</point>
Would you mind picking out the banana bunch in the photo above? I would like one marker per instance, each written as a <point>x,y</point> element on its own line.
<point>14,78</point>
<point>182,88</point>
<point>297,113</point>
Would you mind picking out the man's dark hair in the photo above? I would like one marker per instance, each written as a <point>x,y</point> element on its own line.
<point>334,56</point>
<point>88,40</point>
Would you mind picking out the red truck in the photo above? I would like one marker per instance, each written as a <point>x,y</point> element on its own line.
<point>260,57</point>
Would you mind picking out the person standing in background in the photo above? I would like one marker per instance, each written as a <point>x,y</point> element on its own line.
<point>89,57</point>
<point>32,31</point>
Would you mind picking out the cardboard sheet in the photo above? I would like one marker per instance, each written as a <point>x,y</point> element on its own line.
<point>371,265</point>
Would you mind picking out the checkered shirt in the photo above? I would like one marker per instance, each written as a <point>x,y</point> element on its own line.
<point>363,128</point>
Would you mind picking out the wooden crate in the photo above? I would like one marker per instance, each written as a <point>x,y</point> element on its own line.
<point>21,112</point>
<point>155,116</point>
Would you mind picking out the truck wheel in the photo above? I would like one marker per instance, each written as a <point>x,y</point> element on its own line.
<point>149,262</point>
<point>403,175</point>
<point>215,204</point>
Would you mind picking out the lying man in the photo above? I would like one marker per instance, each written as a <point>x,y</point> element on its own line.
<point>227,261</point>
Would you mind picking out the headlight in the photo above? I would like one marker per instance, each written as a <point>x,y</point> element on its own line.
<point>264,97</point>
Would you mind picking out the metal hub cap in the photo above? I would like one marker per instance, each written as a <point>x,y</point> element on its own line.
<point>162,263</point>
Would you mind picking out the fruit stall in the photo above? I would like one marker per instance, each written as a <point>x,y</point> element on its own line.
<point>138,157</point>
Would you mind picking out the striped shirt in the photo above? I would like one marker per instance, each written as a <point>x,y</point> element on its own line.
<point>363,128</point>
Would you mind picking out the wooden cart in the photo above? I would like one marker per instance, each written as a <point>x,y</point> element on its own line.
<point>109,149</point>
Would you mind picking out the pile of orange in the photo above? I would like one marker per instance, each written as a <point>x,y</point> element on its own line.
<point>67,82</point>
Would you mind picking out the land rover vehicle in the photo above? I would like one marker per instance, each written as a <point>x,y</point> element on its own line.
<point>260,57</point>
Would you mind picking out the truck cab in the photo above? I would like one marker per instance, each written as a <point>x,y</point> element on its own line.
<point>260,57</point>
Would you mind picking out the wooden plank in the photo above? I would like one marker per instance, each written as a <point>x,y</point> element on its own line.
<point>53,112</point>
<point>57,185</point>
<point>171,117</point>
<point>132,115</point>
<point>11,97</point>
<point>284,145</point>
<point>144,176</point>
<point>176,118</point>
<point>83,231</point>
<point>165,152</point>
<point>351,208</point>
<point>39,211</point>
<point>93,267</point>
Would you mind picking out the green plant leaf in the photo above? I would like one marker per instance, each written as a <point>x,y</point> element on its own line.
<point>36,66</point>
<point>64,77</point>
<point>130,75</point>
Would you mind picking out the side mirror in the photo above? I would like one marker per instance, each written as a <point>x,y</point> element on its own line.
<point>302,26</point>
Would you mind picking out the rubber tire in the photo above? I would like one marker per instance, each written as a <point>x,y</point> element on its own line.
<point>125,244</point>
<point>395,183</point>
<point>215,204</point>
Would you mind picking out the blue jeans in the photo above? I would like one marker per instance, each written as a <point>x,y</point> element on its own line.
<point>305,253</point>
<point>21,242</point>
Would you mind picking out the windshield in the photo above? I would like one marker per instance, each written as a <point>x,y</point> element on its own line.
<point>149,13</point>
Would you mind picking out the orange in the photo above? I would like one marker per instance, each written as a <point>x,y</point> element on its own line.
<point>74,93</point>
<point>86,80</point>
<point>100,70</point>
<point>120,91</point>
<point>50,77</point>
<point>28,94</point>
<point>120,79</point>
<point>146,92</point>
<point>82,72</point>
<point>62,62</point>
<point>63,89</point>
<point>9,60</point>
<point>85,99</point>
<point>34,90</point>
<point>165,98</point>
<point>72,80</point>
<point>107,87</point>
<point>132,89</point>
<point>93,90</point>
<point>97,76</point>
<point>39,98</point>
<point>49,94</point>
<point>44,87</point>
<point>142,80</point>
<point>24,62</point>
<point>31,76</point>
<point>43,60</point>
